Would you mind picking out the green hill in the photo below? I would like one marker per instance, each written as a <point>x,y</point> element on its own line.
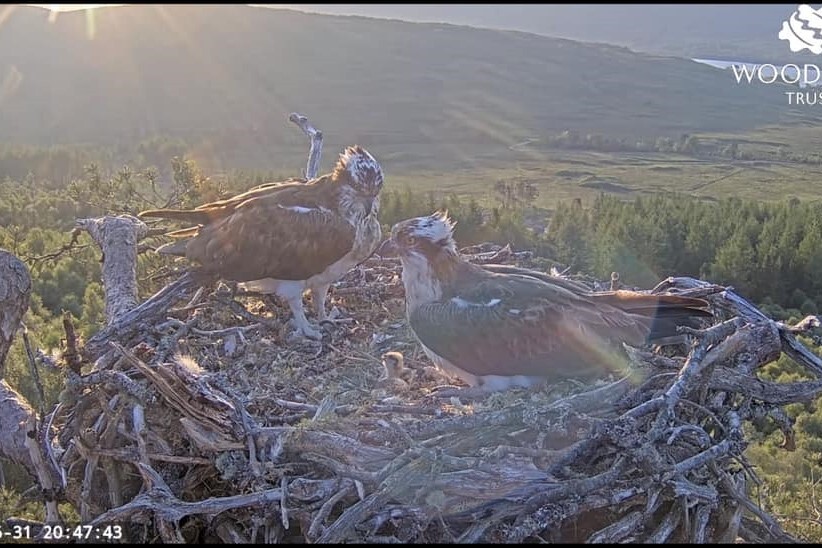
<point>233,73</point>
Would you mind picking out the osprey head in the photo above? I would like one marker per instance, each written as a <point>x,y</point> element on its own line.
<point>430,237</point>
<point>358,169</point>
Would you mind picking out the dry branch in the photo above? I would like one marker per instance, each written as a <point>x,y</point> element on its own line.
<point>117,237</point>
<point>21,438</point>
<point>312,168</point>
<point>15,419</point>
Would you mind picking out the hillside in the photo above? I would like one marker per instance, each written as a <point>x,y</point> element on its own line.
<point>118,75</point>
<point>685,30</point>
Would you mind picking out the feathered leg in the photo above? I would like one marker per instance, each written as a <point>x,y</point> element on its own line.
<point>300,321</point>
<point>319,295</point>
<point>292,293</point>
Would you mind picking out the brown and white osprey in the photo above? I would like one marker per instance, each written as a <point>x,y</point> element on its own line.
<point>497,330</point>
<point>284,238</point>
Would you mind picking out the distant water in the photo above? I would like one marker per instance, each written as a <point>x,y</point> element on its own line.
<point>815,78</point>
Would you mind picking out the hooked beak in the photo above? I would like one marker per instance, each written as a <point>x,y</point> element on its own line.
<point>387,249</point>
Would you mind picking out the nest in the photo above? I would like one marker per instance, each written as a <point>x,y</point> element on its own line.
<point>207,422</point>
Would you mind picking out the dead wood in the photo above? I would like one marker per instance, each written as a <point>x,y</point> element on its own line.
<point>15,290</point>
<point>312,168</point>
<point>21,436</point>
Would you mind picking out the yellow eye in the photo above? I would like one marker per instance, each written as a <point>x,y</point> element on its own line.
<point>410,240</point>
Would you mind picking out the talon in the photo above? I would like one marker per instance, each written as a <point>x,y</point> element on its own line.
<point>308,332</point>
<point>312,334</point>
<point>336,322</point>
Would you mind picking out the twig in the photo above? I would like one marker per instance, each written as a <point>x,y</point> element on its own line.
<point>69,247</point>
<point>127,325</point>
<point>315,530</point>
<point>666,528</point>
<point>35,374</point>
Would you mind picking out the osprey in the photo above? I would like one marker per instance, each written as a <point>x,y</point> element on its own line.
<point>284,238</point>
<point>501,327</point>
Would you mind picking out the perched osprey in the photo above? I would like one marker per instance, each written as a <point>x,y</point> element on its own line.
<point>513,327</point>
<point>284,238</point>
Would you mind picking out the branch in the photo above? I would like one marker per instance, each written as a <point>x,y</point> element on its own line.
<point>160,501</point>
<point>140,319</point>
<point>313,166</point>
<point>15,415</point>
<point>72,245</point>
<point>117,238</point>
<point>737,305</point>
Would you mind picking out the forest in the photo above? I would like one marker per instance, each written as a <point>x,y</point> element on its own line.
<point>769,252</point>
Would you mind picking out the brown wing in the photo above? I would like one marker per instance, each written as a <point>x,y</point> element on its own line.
<point>517,325</point>
<point>664,313</point>
<point>571,285</point>
<point>265,238</point>
<point>288,192</point>
<point>633,302</point>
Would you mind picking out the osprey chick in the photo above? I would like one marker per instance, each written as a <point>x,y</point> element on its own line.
<point>512,327</point>
<point>284,238</point>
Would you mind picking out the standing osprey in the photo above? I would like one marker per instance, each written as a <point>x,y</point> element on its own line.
<point>497,330</point>
<point>284,238</point>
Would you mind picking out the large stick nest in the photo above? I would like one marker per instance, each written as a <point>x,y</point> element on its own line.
<point>208,422</point>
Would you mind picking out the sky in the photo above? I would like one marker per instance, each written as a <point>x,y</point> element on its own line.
<point>71,7</point>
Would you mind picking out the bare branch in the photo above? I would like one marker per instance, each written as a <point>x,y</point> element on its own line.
<point>117,238</point>
<point>313,166</point>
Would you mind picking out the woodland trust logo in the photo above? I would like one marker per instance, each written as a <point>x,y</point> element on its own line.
<point>802,31</point>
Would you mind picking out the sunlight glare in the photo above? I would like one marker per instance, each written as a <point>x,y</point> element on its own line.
<point>71,7</point>
<point>90,29</point>
<point>5,13</point>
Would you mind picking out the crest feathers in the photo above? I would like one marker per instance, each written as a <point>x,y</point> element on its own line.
<point>442,217</point>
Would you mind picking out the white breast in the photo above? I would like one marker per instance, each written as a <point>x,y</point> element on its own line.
<point>421,286</point>
<point>366,239</point>
<point>491,383</point>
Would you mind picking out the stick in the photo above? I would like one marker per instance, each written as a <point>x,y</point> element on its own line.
<point>312,168</point>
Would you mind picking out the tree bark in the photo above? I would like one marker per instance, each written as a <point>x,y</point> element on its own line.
<point>20,439</point>
<point>117,237</point>
<point>15,416</point>
<point>15,290</point>
<point>15,412</point>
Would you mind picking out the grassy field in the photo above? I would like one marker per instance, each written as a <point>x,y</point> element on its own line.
<point>562,175</point>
